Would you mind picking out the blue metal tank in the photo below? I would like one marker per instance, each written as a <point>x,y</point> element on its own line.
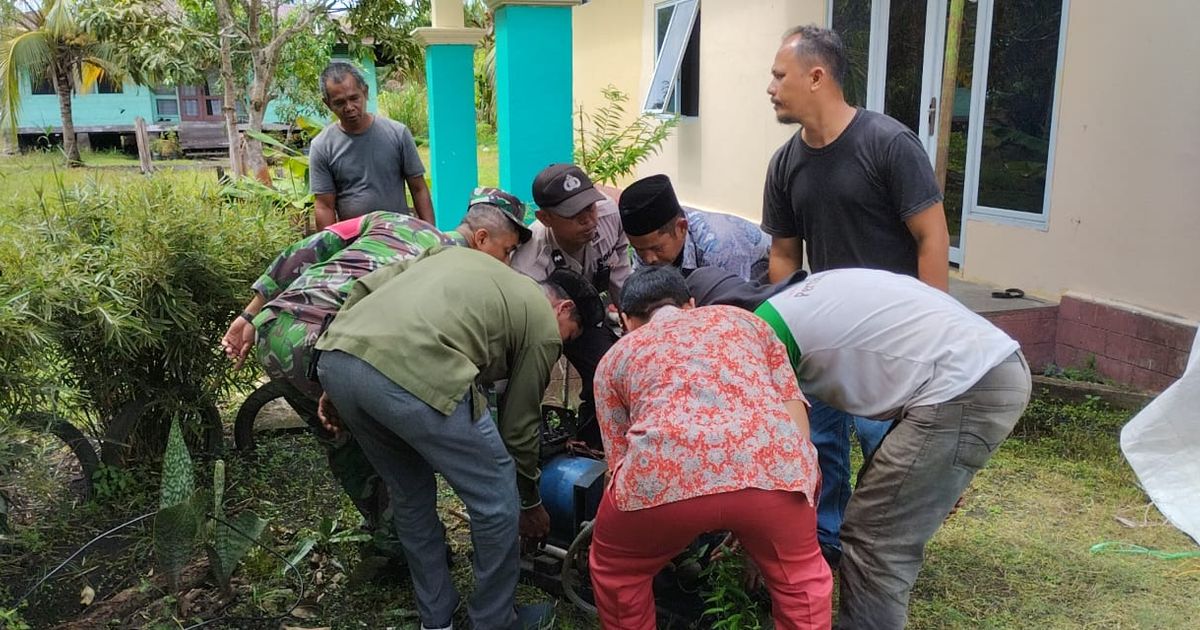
<point>571,488</point>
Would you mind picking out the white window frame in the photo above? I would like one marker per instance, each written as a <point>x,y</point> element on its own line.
<point>983,43</point>
<point>671,102</point>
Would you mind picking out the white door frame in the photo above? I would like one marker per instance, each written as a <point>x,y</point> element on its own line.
<point>931,83</point>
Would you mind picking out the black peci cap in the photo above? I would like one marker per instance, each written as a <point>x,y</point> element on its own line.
<point>648,204</point>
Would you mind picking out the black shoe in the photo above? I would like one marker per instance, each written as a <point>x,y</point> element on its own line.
<point>833,556</point>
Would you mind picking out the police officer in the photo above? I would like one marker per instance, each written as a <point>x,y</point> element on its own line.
<point>578,228</point>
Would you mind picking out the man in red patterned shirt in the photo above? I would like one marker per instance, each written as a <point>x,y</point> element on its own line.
<point>705,429</point>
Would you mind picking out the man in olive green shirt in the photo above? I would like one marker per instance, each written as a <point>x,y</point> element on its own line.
<point>402,363</point>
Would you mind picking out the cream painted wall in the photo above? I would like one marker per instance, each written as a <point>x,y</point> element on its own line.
<point>1124,219</point>
<point>717,160</point>
<point>607,51</point>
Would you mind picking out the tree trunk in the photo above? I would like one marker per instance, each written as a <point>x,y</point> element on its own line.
<point>229,103</point>
<point>256,163</point>
<point>62,85</point>
<point>949,88</point>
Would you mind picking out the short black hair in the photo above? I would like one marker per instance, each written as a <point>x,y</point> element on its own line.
<point>652,287</point>
<point>557,292</point>
<point>336,72</point>
<point>823,45</point>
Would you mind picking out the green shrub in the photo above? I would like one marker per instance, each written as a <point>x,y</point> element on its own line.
<point>609,147</point>
<point>409,105</point>
<point>166,146</point>
<point>485,134</point>
<point>120,297</point>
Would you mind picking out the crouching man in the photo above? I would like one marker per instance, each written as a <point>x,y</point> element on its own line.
<point>402,364</point>
<point>304,288</point>
<point>880,345</point>
<point>705,429</point>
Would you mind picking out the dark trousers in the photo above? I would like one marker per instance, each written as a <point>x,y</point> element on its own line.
<point>585,353</point>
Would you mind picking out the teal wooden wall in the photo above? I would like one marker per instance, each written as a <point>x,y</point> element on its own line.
<point>40,111</point>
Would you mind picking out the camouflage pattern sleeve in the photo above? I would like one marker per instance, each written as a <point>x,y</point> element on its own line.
<point>294,260</point>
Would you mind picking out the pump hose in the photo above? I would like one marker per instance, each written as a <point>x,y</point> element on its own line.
<point>570,562</point>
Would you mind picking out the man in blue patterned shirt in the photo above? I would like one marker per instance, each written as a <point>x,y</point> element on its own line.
<point>661,232</point>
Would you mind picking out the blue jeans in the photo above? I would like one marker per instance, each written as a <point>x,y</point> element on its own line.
<point>831,435</point>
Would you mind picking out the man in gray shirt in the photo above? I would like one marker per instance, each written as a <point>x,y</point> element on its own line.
<point>360,164</point>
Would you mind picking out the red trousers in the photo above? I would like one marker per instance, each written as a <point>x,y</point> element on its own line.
<point>777,528</point>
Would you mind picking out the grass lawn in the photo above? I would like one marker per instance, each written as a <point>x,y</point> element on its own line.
<point>27,176</point>
<point>488,160</point>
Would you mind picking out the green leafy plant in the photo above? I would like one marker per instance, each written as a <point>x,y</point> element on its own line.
<point>167,146</point>
<point>409,105</point>
<point>729,606</point>
<point>177,524</point>
<point>11,619</point>
<point>181,521</point>
<point>230,540</point>
<point>112,484</point>
<point>116,301</point>
<point>289,190</point>
<point>611,145</point>
<point>1086,373</point>
<point>326,535</point>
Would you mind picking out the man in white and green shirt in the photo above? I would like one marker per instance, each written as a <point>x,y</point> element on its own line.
<point>881,345</point>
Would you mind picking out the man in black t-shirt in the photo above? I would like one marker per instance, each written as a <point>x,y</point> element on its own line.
<point>854,188</point>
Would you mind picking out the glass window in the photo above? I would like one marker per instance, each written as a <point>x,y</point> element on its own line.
<point>167,107</point>
<point>1019,107</point>
<point>905,62</point>
<point>852,21</point>
<point>674,88</point>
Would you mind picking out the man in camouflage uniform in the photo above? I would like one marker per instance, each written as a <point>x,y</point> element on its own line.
<point>303,289</point>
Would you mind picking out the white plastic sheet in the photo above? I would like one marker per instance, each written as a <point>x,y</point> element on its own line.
<point>1162,444</point>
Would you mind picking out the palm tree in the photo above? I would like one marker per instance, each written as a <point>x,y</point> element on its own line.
<point>47,40</point>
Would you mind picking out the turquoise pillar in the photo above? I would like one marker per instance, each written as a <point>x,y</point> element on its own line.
<point>533,89</point>
<point>450,80</point>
